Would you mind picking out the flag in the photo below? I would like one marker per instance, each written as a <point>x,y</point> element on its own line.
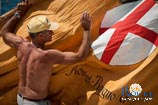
<point>131,39</point>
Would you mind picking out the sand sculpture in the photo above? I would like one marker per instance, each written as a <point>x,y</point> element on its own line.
<point>76,84</point>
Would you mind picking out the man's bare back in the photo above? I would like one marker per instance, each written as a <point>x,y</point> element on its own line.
<point>34,73</point>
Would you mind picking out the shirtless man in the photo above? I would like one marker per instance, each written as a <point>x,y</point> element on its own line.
<point>35,63</point>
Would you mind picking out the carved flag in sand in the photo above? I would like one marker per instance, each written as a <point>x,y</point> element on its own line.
<point>133,38</point>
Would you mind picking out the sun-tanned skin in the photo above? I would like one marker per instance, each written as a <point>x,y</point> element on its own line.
<point>35,64</point>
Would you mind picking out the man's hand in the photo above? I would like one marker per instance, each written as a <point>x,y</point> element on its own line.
<point>86,21</point>
<point>23,7</point>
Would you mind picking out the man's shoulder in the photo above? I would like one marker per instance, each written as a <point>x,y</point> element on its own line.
<point>51,52</point>
<point>25,45</point>
<point>24,40</point>
<point>47,55</point>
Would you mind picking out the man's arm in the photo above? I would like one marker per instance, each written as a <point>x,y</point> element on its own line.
<point>8,35</point>
<point>7,31</point>
<point>58,57</point>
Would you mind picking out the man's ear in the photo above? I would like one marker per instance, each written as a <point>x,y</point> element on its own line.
<point>39,35</point>
<point>127,1</point>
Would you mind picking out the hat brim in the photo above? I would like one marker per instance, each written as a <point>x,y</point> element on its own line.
<point>54,26</point>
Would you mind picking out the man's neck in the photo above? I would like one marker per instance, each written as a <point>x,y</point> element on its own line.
<point>38,45</point>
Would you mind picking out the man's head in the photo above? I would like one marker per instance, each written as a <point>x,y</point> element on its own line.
<point>39,29</point>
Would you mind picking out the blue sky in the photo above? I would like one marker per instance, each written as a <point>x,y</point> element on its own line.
<point>6,5</point>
